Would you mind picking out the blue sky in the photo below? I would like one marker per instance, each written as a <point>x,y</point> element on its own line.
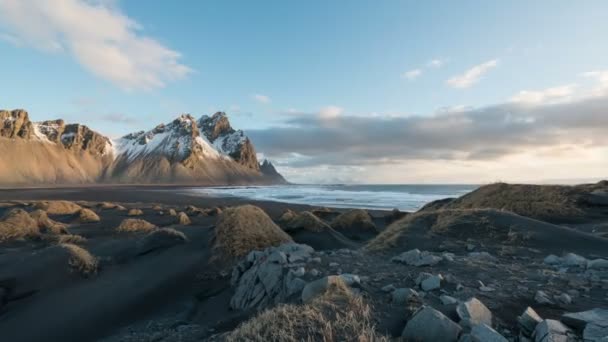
<point>268,62</point>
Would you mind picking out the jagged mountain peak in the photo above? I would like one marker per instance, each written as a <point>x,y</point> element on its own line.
<point>215,125</point>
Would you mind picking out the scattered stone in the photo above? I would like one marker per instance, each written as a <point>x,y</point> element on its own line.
<point>541,297</point>
<point>484,333</point>
<point>135,212</point>
<point>333,264</point>
<point>550,330</point>
<point>597,264</point>
<point>593,323</point>
<point>388,288</point>
<point>572,259</point>
<point>528,321</point>
<point>267,277</point>
<point>429,325</point>
<point>564,298</point>
<point>415,257</point>
<point>473,312</point>
<point>183,219</point>
<point>403,295</point>
<point>429,282</point>
<point>314,272</point>
<point>448,300</point>
<point>484,256</point>
<point>470,247</point>
<point>552,260</point>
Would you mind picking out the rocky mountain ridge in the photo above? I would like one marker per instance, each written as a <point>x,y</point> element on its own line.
<point>205,151</point>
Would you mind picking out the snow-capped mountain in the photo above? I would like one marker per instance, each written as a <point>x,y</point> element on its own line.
<point>186,150</point>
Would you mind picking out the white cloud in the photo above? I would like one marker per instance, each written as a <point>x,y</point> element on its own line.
<point>102,39</point>
<point>435,63</point>
<point>330,112</point>
<point>601,76</point>
<point>471,76</point>
<point>412,74</point>
<point>549,95</point>
<point>261,98</point>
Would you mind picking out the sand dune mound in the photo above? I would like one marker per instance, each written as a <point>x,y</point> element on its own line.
<point>242,229</point>
<point>357,219</point>
<point>18,224</point>
<point>552,203</point>
<point>131,225</point>
<point>135,212</point>
<point>490,227</point>
<point>307,228</point>
<point>304,220</point>
<point>183,219</point>
<point>46,224</point>
<point>80,260</point>
<point>160,239</point>
<point>87,216</point>
<point>336,315</point>
<point>71,238</point>
<point>58,207</point>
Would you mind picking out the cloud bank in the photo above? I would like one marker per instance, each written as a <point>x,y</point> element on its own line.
<point>103,40</point>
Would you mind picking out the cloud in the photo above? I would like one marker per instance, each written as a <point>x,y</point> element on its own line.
<point>261,98</point>
<point>549,95</point>
<point>465,135</point>
<point>118,118</point>
<point>97,35</point>
<point>412,74</point>
<point>435,63</point>
<point>330,112</point>
<point>471,76</point>
<point>601,76</point>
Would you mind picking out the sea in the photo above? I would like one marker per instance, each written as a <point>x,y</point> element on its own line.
<point>405,197</point>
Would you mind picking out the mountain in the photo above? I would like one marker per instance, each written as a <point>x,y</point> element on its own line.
<point>207,151</point>
<point>268,169</point>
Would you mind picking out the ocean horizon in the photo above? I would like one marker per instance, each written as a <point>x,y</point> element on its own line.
<point>405,197</point>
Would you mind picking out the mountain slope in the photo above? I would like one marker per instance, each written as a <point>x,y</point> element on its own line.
<point>52,152</point>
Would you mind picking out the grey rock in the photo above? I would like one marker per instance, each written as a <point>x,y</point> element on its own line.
<point>541,297</point>
<point>572,259</point>
<point>528,321</point>
<point>314,272</point>
<point>551,330</point>
<point>485,256</point>
<point>388,288</point>
<point>448,300</point>
<point>350,279</point>
<point>597,264</point>
<point>579,320</point>
<point>299,272</point>
<point>403,295</point>
<point>564,298</point>
<point>415,257</point>
<point>552,260</point>
<point>429,325</point>
<point>484,333</point>
<point>333,264</point>
<point>318,287</point>
<point>473,312</point>
<point>594,332</point>
<point>431,283</point>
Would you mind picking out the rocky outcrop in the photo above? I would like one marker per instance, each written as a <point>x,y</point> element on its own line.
<point>271,173</point>
<point>15,124</point>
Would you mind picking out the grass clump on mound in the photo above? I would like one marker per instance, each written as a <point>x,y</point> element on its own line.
<point>46,224</point>
<point>183,219</point>
<point>337,315</point>
<point>242,229</point>
<point>354,219</point>
<point>71,239</point>
<point>304,220</point>
<point>135,212</point>
<point>81,260</point>
<point>135,225</point>
<point>18,224</point>
<point>58,207</point>
<point>87,216</point>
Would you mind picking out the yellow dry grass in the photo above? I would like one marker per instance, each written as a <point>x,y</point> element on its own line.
<point>46,224</point>
<point>81,260</point>
<point>135,212</point>
<point>242,229</point>
<point>58,207</point>
<point>304,220</point>
<point>18,224</point>
<point>87,216</point>
<point>354,219</point>
<point>337,315</point>
<point>71,238</point>
<point>135,225</point>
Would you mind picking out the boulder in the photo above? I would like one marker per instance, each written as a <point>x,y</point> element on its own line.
<point>528,321</point>
<point>593,323</point>
<point>87,216</point>
<point>473,312</point>
<point>268,277</point>
<point>403,295</point>
<point>448,300</point>
<point>484,333</point>
<point>429,282</point>
<point>541,297</point>
<point>415,257</point>
<point>597,264</point>
<point>430,325</point>
<point>183,219</point>
<point>550,330</point>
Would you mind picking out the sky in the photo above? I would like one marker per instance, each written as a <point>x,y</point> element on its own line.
<point>332,91</point>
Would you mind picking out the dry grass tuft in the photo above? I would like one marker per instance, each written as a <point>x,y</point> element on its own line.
<point>183,219</point>
<point>135,225</point>
<point>81,260</point>
<point>18,224</point>
<point>58,207</point>
<point>135,212</point>
<point>87,216</point>
<point>304,220</point>
<point>354,219</point>
<point>338,315</point>
<point>242,229</point>
<point>46,224</point>
<point>71,238</point>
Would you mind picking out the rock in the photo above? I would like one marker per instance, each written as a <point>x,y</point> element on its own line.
<point>314,272</point>
<point>403,295</point>
<point>388,288</point>
<point>183,219</point>
<point>447,300</point>
<point>299,272</point>
<point>350,279</point>
<point>135,212</point>
<point>594,332</point>
<point>484,333</point>
<point>319,287</point>
<point>415,257</point>
<point>528,321</point>
<point>572,259</point>
<point>550,330</point>
<point>470,247</point>
<point>430,325</point>
<point>564,298</point>
<point>484,256</point>
<point>429,282</point>
<point>597,264</point>
<point>87,216</point>
<point>541,297</point>
<point>266,277</point>
<point>473,312</point>
<point>333,264</point>
<point>579,320</point>
<point>160,239</point>
<point>552,260</point>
